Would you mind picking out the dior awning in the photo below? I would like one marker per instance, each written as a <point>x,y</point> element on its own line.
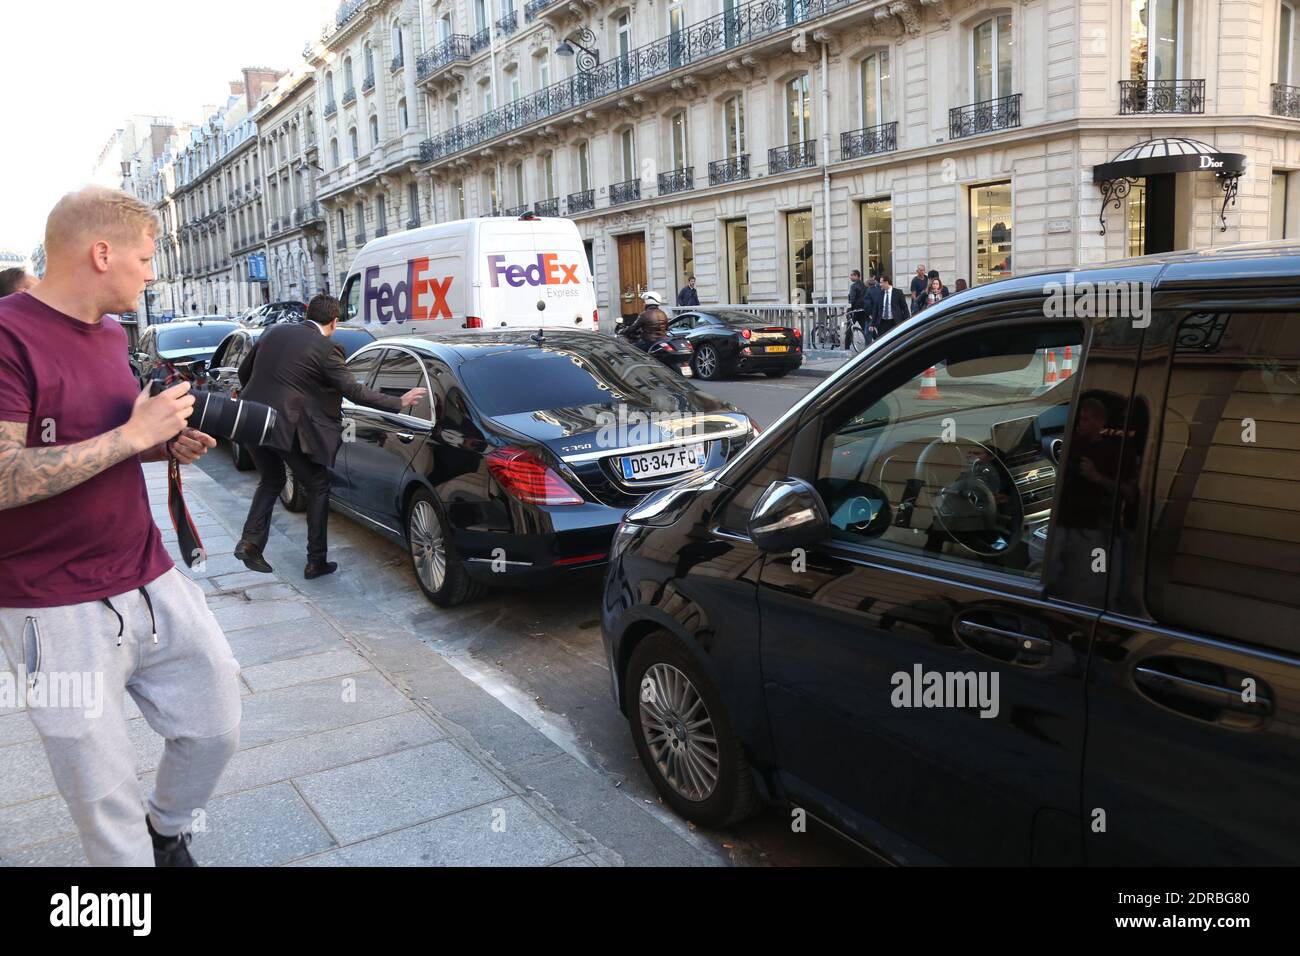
<point>1168,154</point>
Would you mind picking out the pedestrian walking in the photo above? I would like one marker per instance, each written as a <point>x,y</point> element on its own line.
<point>687,296</point>
<point>857,313</point>
<point>91,604</point>
<point>935,294</point>
<point>298,371</point>
<point>893,307</point>
<point>920,282</point>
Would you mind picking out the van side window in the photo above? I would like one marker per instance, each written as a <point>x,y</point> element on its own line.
<point>1224,554</point>
<point>956,456</point>
<point>351,299</point>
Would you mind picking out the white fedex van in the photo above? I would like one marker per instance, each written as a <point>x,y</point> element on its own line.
<point>486,273</point>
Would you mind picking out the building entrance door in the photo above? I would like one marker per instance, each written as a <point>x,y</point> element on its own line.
<point>631,274</point>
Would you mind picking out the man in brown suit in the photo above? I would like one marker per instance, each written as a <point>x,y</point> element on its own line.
<point>298,371</point>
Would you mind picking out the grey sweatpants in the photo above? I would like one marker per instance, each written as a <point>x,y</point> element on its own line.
<point>184,680</point>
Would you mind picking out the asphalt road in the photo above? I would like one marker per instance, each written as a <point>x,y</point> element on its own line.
<point>540,652</point>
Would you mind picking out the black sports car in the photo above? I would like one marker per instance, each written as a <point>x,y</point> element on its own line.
<point>188,345</point>
<point>531,450</point>
<point>728,342</point>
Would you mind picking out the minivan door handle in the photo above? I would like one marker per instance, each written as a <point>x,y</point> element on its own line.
<point>984,636</point>
<point>1153,678</point>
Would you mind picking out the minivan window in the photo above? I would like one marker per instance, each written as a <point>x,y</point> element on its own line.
<point>351,300</point>
<point>1224,555</point>
<point>959,461</point>
<point>399,373</point>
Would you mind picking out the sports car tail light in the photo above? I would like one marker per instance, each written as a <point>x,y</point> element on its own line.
<point>745,333</point>
<point>798,334</point>
<point>527,478</point>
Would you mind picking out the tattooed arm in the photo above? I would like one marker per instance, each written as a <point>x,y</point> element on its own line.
<point>34,474</point>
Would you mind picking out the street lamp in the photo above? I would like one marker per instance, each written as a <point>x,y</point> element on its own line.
<point>588,59</point>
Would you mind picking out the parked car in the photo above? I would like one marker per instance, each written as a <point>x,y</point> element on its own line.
<point>968,612</point>
<point>223,375</point>
<point>730,342</point>
<point>532,448</point>
<point>273,312</point>
<point>187,344</point>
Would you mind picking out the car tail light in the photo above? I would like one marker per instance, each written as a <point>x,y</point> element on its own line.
<point>473,322</point>
<point>595,317</point>
<point>798,334</point>
<point>527,478</point>
<point>745,333</point>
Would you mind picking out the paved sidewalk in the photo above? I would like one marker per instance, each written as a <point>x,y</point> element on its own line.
<point>822,362</point>
<point>360,745</point>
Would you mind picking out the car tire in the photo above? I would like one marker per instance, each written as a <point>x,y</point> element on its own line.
<point>291,495</point>
<point>679,766</point>
<point>777,372</point>
<point>437,569</point>
<point>707,363</point>
<point>240,456</point>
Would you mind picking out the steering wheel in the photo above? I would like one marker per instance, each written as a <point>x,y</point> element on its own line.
<point>977,503</point>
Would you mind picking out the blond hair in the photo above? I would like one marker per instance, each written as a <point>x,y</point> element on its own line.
<point>97,213</point>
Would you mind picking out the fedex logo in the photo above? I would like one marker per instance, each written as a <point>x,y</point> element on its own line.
<point>545,271</point>
<point>416,298</point>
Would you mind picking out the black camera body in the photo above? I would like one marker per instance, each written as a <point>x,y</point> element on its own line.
<point>217,413</point>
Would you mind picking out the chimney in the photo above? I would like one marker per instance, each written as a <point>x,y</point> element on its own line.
<point>236,88</point>
<point>256,80</point>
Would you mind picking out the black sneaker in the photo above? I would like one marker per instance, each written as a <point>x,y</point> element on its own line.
<point>170,851</point>
<point>318,569</point>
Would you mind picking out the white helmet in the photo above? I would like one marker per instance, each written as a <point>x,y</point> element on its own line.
<point>651,298</point>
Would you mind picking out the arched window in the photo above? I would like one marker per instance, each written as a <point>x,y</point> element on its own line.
<point>368,56</point>
<point>361,221</point>
<point>352,141</point>
<point>348,84</point>
<point>334,153</point>
<point>397,40</point>
<point>329,86</point>
<point>374,131</point>
<point>402,120</point>
<point>342,218</point>
<point>877,100</point>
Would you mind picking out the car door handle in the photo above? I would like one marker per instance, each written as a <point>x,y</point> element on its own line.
<point>405,437</point>
<point>1003,638</point>
<point>1154,678</point>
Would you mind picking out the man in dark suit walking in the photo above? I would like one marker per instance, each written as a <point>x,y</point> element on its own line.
<point>298,371</point>
<point>892,308</point>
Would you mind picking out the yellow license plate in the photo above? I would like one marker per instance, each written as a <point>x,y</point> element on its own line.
<point>778,348</point>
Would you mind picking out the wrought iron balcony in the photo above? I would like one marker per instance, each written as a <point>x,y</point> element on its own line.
<point>480,40</point>
<point>330,108</point>
<point>413,222</point>
<point>984,117</point>
<point>449,51</point>
<point>517,210</point>
<point>360,239</point>
<point>782,159</point>
<point>869,141</point>
<point>368,83</point>
<point>508,24</point>
<point>714,36</point>
<point>731,170</point>
<point>1286,100</point>
<point>381,231</point>
<point>533,8</point>
<point>677,180</point>
<point>348,10</point>
<point>341,242</point>
<point>349,95</point>
<point>626,191</point>
<point>1161,96</point>
<point>581,201</point>
<point>309,212</point>
<point>547,207</point>
<point>397,63</point>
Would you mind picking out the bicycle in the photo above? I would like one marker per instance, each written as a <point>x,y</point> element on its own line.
<point>826,334</point>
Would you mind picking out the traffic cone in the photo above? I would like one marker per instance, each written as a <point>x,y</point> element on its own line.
<point>929,385</point>
<point>1049,374</point>
<point>1067,366</point>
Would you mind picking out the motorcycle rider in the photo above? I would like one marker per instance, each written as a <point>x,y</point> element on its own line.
<point>651,325</point>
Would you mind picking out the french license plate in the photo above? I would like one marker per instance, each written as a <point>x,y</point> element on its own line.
<point>653,464</point>
<point>778,348</point>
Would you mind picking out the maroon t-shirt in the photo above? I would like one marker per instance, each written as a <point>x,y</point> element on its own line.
<point>70,381</point>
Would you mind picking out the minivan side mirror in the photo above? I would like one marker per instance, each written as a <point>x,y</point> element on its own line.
<point>789,514</point>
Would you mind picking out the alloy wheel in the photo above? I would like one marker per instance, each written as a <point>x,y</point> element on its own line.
<point>679,732</point>
<point>427,547</point>
<point>706,361</point>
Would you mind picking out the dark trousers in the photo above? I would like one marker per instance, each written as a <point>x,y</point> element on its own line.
<point>311,477</point>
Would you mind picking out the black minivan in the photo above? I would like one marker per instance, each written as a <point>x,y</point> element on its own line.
<point>1021,584</point>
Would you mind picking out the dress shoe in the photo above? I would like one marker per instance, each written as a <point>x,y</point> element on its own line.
<point>318,569</point>
<point>251,555</point>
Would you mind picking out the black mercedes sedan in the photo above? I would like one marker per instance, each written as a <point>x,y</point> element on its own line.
<point>730,342</point>
<point>525,457</point>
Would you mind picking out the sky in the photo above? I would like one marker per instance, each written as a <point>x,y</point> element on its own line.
<point>74,70</point>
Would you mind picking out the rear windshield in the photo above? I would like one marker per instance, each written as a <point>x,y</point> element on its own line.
<point>532,379</point>
<point>193,337</point>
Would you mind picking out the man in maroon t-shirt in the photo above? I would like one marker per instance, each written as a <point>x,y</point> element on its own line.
<point>91,605</point>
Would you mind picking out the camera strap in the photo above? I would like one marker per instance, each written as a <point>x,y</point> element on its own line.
<point>187,536</point>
